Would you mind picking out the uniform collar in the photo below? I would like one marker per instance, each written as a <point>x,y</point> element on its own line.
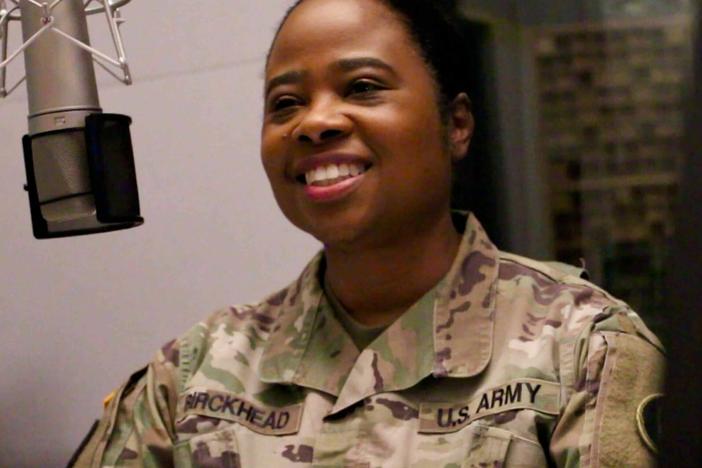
<point>308,347</point>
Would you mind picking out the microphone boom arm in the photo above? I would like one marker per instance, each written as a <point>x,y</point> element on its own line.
<point>114,21</point>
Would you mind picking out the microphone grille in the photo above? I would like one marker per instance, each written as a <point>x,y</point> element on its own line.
<point>60,165</point>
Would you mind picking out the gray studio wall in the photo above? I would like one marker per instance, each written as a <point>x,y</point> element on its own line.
<point>78,315</point>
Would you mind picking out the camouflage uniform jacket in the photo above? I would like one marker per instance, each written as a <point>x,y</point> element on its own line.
<point>506,362</point>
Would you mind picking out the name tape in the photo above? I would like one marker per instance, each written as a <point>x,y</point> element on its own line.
<point>261,419</point>
<point>534,394</point>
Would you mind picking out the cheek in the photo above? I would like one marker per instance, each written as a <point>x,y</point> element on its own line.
<point>414,136</point>
<point>271,157</point>
<point>414,118</point>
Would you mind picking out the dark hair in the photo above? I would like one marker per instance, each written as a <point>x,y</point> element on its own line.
<point>433,24</point>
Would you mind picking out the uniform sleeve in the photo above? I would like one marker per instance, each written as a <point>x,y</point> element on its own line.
<point>137,425</point>
<point>617,370</point>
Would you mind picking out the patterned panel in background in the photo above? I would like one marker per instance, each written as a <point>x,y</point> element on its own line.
<point>611,128</point>
<point>644,8</point>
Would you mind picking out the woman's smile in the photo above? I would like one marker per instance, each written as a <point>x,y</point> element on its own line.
<point>332,182</point>
<point>329,176</point>
<point>333,174</point>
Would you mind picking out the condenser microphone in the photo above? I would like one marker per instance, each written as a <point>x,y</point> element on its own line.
<point>79,161</point>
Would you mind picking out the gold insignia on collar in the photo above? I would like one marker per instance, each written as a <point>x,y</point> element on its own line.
<point>108,399</point>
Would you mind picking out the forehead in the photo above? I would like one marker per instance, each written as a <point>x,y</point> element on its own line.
<point>323,28</point>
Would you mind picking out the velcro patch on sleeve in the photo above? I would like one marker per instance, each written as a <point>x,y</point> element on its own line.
<point>634,371</point>
<point>538,395</point>
<point>258,418</point>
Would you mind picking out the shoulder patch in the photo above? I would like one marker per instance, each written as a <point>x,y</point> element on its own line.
<point>92,449</point>
<point>633,372</point>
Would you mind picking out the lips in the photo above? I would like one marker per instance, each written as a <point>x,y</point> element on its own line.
<point>330,176</point>
<point>333,173</point>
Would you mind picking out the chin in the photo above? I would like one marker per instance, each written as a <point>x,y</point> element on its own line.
<point>330,227</point>
<point>335,236</point>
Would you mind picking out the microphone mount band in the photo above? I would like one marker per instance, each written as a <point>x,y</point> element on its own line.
<point>10,10</point>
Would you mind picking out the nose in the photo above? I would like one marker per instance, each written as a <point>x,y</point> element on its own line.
<point>323,122</point>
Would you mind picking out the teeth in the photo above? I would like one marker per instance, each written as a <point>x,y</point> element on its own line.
<point>333,171</point>
<point>320,174</point>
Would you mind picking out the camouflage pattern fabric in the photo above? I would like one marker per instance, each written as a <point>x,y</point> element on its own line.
<point>506,362</point>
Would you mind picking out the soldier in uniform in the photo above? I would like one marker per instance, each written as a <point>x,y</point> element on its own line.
<point>410,340</point>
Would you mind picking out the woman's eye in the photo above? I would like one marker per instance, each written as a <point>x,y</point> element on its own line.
<point>283,103</point>
<point>364,87</point>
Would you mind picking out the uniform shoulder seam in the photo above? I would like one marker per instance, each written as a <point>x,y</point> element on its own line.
<point>556,275</point>
<point>535,265</point>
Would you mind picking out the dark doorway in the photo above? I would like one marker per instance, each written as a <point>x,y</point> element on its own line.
<point>682,416</point>
<point>476,184</point>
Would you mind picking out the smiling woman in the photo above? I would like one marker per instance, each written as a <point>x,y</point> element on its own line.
<point>349,87</point>
<point>410,340</point>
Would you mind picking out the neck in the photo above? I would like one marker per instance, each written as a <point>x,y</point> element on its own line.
<point>378,284</point>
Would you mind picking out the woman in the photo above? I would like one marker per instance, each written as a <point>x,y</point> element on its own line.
<point>410,340</point>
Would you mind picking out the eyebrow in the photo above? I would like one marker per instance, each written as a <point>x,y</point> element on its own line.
<point>291,77</point>
<point>351,64</point>
<point>345,65</point>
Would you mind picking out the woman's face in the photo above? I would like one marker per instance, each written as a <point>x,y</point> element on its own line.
<point>352,141</point>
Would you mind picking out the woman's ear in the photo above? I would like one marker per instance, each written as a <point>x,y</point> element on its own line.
<point>461,126</point>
